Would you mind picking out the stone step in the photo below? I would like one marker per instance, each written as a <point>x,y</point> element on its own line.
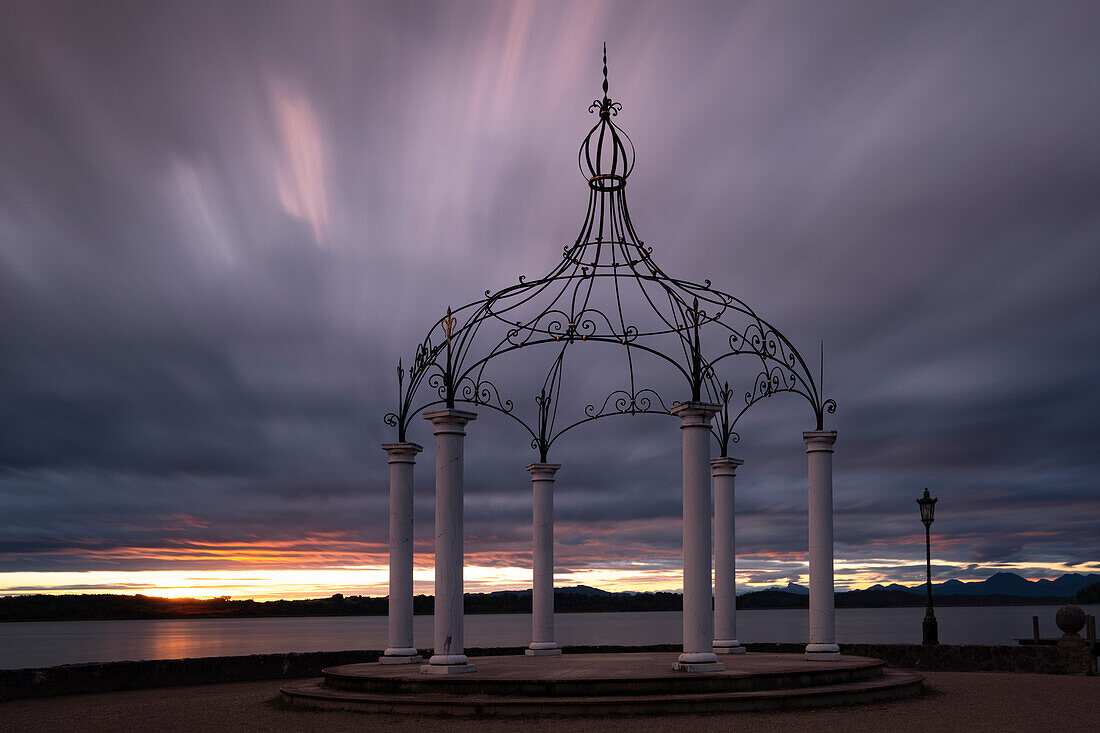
<point>888,686</point>
<point>641,674</point>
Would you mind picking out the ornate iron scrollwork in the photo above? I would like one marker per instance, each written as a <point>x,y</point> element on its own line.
<point>606,292</point>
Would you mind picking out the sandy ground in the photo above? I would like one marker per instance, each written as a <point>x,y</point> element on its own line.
<point>963,701</point>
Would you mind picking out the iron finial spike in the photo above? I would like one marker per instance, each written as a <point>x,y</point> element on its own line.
<point>605,69</point>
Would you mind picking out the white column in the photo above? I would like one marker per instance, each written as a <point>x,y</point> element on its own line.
<point>401,649</point>
<point>542,581</point>
<point>819,448</point>
<point>448,657</point>
<point>698,656</point>
<point>725,558</point>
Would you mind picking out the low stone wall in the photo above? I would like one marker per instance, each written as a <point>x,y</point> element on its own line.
<point>113,676</point>
<point>960,657</point>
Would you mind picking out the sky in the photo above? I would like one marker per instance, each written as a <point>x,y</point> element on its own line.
<point>222,224</point>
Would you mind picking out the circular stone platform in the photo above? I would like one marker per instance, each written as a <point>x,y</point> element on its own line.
<point>587,684</point>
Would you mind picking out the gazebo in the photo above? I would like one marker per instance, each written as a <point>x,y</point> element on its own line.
<point>645,334</point>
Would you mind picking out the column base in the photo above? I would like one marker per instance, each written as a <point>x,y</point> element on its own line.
<point>699,667</point>
<point>400,659</point>
<point>448,659</point>
<point>822,653</point>
<point>542,648</point>
<point>728,646</point>
<point>447,668</point>
<point>698,662</point>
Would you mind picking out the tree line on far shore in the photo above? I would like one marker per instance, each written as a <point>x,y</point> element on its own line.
<point>112,606</point>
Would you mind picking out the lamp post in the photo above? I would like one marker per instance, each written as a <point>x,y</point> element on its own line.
<point>927,515</point>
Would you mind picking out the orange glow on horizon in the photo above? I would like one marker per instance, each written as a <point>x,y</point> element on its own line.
<point>322,563</point>
<point>271,583</point>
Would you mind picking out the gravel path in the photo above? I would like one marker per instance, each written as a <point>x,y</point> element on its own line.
<point>964,701</point>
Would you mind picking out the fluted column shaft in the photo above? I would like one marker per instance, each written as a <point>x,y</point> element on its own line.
<point>448,656</point>
<point>401,649</point>
<point>819,450</point>
<point>542,581</point>
<point>698,655</point>
<point>725,558</point>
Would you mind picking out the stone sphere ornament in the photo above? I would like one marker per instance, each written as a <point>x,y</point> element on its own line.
<point>1070,619</point>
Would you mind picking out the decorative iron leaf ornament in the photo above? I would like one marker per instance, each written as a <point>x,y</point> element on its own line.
<point>448,325</point>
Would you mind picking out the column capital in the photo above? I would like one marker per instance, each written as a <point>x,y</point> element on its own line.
<point>819,440</point>
<point>450,420</point>
<point>402,452</point>
<point>725,466</point>
<point>544,471</point>
<point>695,414</point>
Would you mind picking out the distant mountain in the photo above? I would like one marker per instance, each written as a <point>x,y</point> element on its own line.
<point>799,590</point>
<point>581,590</point>
<point>999,590</point>
<point>999,584</point>
<point>1007,584</point>
<point>772,599</point>
<point>894,587</point>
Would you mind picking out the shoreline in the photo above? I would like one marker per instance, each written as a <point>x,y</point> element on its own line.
<point>1038,602</point>
<point>775,601</point>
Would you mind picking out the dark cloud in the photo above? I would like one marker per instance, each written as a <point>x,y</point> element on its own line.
<point>221,226</point>
<point>94,587</point>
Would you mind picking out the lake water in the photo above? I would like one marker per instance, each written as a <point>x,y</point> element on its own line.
<point>49,643</point>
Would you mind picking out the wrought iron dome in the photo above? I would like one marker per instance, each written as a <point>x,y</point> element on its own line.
<point>606,293</point>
